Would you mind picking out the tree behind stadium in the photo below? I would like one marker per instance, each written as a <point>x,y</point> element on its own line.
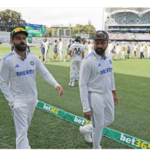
<point>84,29</point>
<point>11,19</point>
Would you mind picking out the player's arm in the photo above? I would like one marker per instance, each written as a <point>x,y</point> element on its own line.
<point>85,71</point>
<point>83,50</point>
<point>4,76</point>
<point>48,77</point>
<point>113,89</point>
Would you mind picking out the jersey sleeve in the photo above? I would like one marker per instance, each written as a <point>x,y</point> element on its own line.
<point>45,73</point>
<point>83,50</point>
<point>84,77</point>
<point>4,76</point>
<point>71,47</point>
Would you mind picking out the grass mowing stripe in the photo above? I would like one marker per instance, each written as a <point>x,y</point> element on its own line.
<point>107,132</point>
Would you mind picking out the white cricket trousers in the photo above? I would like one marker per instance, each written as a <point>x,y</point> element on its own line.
<point>102,108</point>
<point>22,116</point>
<point>122,56</point>
<point>46,55</point>
<point>61,55</point>
<point>117,56</point>
<point>75,70</point>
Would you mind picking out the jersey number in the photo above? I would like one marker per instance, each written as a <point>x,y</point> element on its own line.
<point>78,52</point>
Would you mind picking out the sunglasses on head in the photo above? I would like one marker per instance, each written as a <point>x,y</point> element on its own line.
<point>100,35</point>
<point>17,30</point>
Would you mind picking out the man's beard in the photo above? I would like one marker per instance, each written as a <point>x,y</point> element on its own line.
<point>100,51</point>
<point>19,47</point>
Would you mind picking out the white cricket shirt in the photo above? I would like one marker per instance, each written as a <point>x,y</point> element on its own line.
<point>118,48</point>
<point>21,74</point>
<point>90,48</point>
<point>46,45</point>
<point>96,75</point>
<point>142,49</point>
<point>61,46</point>
<point>77,49</point>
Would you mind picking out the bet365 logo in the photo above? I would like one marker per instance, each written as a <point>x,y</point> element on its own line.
<point>135,142</point>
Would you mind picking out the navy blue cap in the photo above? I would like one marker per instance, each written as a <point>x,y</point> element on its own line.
<point>101,35</point>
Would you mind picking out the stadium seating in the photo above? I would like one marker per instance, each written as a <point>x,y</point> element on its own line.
<point>145,19</point>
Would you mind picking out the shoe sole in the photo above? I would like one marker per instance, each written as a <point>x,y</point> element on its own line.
<point>83,135</point>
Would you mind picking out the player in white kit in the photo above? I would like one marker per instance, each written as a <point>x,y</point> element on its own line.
<point>97,90</point>
<point>118,49</point>
<point>19,67</point>
<point>76,53</point>
<point>61,50</point>
<point>90,47</point>
<point>46,45</point>
<point>110,47</point>
<point>84,45</point>
<point>148,47</point>
<point>134,52</point>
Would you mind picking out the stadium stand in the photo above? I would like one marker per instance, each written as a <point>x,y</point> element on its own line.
<point>4,37</point>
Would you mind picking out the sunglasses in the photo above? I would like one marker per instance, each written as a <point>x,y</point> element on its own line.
<point>100,35</point>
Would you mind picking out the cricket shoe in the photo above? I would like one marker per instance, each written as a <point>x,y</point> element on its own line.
<point>87,137</point>
<point>71,84</point>
<point>64,59</point>
<point>60,61</point>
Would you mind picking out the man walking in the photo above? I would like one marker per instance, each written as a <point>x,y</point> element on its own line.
<point>97,90</point>
<point>61,50</point>
<point>19,67</point>
<point>76,53</point>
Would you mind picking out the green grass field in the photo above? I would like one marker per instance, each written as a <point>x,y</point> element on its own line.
<point>132,79</point>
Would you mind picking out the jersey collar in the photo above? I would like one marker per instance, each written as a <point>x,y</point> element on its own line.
<point>20,56</point>
<point>98,56</point>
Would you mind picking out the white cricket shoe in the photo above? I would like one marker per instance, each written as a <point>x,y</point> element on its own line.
<point>60,61</point>
<point>64,59</point>
<point>71,84</point>
<point>87,137</point>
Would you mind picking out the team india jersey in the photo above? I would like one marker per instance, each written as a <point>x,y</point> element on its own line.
<point>21,74</point>
<point>96,75</point>
<point>77,49</point>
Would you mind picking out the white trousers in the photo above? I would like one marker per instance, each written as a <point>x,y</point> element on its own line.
<point>61,55</point>
<point>46,55</point>
<point>75,70</point>
<point>117,56</point>
<point>122,56</point>
<point>102,108</point>
<point>148,55</point>
<point>22,116</point>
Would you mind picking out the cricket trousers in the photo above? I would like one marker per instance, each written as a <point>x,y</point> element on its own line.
<point>117,56</point>
<point>22,115</point>
<point>102,109</point>
<point>61,55</point>
<point>75,70</point>
<point>122,56</point>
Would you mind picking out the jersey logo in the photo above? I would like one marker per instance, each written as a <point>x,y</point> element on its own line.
<point>17,66</point>
<point>99,65</point>
<point>110,61</point>
<point>32,63</point>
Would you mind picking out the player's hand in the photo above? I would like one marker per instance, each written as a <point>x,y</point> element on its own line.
<point>88,115</point>
<point>115,100</point>
<point>59,89</point>
<point>12,107</point>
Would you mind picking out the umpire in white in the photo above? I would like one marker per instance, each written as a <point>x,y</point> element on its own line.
<point>19,67</point>
<point>97,90</point>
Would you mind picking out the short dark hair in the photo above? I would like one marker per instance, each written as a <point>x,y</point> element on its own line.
<point>55,40</point>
